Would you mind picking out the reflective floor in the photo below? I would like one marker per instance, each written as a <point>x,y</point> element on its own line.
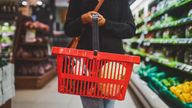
<point>49,98</point>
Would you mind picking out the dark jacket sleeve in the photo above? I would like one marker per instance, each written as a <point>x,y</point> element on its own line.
<point>73,24</point>
<point>126,27</point>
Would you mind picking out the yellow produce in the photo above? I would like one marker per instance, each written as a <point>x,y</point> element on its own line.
<point>183,91</point>
<point>186,88</point>
<point>178,92</point>
<point>173,89</point>
<point>182,98</point>
<point>186,96</point>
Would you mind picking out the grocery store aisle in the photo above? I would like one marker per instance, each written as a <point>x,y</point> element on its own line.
<point>49,98</point>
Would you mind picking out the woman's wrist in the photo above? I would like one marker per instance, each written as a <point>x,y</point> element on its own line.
<point>83,19</point>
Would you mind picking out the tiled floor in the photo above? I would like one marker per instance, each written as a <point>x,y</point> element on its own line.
<point>49,98</point>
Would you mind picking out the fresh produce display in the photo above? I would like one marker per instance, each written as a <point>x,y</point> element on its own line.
<point>7,31</point>
<point>8,9</point>
<point>171,81</point>
<point>169,86</point>
<point>163,40</point>
<point>183,91</point>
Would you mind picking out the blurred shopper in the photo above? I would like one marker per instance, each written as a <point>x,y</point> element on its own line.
<point>115,23</point>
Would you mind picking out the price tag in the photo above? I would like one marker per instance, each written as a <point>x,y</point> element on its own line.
<point>187,68</point>
<point>191,71</point>
<point>179,66</point>
<point>147,59</point>
<point>189,41</point>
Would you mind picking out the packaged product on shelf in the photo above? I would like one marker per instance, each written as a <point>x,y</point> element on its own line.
<point>8,93</point>
<point>7,84</point>
<point>179,55</point>
<point>31,69</point>
<point>31,53</point>
<point>149,35</point>
<point>166,34</point>
<point>159,34</point>
<point>1,94</point>
<point>23,54</point>
<point>188,31</point>
<point>190,13</point>
<point>149,24</point>
<point>170,54</point>
<point>0,50</point>
<point>30,36</point>
<point>188,56</point>
<point>160,5</point>
<point>1,75</point>
<point>8,76</point>
<point>167,19</point>
<point>179,32</point>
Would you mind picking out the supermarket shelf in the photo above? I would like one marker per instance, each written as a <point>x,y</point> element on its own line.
<point>171,64</point>
<point>177,23</point>
<point>178,41</point>
<point>34,82</point>
<point>180,22</point>
<point>145,94</point>
<point>6,34</point>
<point>8,16</point>
<point>169,8</point>
<point>33,59</point>
<point>35,44</point>
<point>3,45</point>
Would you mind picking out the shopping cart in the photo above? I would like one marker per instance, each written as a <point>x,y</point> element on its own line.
<point>93,73</point>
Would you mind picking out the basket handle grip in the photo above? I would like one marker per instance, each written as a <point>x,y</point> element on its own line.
<point>95,33</point>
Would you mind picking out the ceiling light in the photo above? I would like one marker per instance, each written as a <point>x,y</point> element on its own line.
<point>24,3</point>
<point>39,3</point>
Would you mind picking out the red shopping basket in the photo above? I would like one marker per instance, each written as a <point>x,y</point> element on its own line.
<point>93,74</point>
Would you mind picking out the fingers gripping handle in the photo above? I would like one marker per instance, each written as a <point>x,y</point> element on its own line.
<point>95,33</point>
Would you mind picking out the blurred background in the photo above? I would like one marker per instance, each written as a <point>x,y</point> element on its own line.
<point>163,40</point>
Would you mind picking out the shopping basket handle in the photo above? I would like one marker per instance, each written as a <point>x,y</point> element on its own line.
<point>95,33</point>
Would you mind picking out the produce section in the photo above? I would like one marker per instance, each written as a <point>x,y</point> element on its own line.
<point>163,40</point>
<point>7,34</point>
<point>168,85</point>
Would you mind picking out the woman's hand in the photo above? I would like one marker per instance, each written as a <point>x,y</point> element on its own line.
<point>87,18</point>
<point>101,20</point>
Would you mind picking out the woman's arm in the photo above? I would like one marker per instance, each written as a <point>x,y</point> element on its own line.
<point>126,27</point>
<point>73,24</point>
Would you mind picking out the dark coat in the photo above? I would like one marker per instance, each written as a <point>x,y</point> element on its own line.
<point>119,24</point>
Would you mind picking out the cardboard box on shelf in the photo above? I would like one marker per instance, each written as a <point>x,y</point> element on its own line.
<point>8,93</point>
<point>1,78</point>
<point>1,95</point>
<point>7,88</point>
<point>8,76</point>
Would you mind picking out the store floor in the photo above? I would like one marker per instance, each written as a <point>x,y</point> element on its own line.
<point>49,98</point>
